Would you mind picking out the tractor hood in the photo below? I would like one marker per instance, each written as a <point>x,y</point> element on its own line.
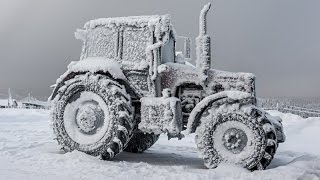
<point>227,81</point>
<point>175,74</point>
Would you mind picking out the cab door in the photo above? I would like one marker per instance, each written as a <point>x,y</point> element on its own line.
<point>134,58</point>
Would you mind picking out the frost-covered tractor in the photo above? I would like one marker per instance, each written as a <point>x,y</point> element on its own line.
<point>130,85</point>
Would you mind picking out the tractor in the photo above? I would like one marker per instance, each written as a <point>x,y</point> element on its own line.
<point>131,85</point>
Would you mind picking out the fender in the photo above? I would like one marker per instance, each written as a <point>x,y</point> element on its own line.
<point>195,115</point>
<point>90,64</point>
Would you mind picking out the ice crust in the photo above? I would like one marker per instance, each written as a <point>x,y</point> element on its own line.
<point>160,115</point>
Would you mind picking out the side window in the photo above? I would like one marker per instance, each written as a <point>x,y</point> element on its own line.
<point>135,42</point>
<point>102,42</point>
<point>168,51</point>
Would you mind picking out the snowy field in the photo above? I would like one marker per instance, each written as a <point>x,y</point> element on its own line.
<point>28,151</point>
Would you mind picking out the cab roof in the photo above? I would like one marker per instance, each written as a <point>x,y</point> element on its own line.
<point>138,21</point>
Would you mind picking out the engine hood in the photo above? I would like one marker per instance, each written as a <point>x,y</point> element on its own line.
<point>175,74</point>
<point>230,81</point>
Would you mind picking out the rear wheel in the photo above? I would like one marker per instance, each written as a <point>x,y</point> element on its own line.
<point>236,134</point>
<point>92,113</point>
<point>141,141</point>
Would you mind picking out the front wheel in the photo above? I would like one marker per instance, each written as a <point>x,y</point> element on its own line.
<point>92,113</point>
<point>240,136</point>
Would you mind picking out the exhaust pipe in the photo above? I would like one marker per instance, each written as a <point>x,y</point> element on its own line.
<point>203,61</point>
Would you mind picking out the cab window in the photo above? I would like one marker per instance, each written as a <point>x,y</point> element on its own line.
<point>168,51</point>
<point>102,43</point>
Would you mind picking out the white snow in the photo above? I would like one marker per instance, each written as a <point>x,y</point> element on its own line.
<point>95,64</point>
<point>4,102</point>
<point>163,68</point>
<point>28,151</point>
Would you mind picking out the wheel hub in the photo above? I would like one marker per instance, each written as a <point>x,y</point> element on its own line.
<point>87,117</point>
<point>235,140</point>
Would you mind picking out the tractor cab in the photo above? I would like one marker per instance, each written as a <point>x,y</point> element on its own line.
<point>138,43</point>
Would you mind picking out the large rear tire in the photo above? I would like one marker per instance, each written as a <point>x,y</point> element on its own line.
<point>236,133</point>
<point>92,113</point>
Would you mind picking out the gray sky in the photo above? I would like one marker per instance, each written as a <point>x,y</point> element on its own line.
<point>278,40</point>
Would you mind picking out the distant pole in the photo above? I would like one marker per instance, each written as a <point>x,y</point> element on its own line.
<point>277,106</point>
<point>9,98</point>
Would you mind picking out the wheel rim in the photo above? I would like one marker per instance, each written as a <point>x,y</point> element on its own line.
<point>233,141</point>
<point>86,119</point>
<point>89,117</point>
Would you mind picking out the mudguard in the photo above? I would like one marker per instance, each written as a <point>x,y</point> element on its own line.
<point>195,115</point>
<point>93,65</point>
<point>276,122</point>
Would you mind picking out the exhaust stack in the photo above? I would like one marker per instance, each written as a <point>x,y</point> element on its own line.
<point>203,61</point>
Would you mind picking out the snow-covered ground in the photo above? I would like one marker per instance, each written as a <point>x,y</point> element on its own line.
<point>28,151</point>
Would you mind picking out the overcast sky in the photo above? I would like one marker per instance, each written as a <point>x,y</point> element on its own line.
<point>278,40</point>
